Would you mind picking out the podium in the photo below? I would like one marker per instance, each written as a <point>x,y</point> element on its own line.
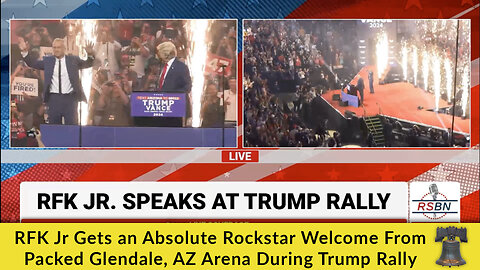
<point>157,109</point>
<point>351,99</point>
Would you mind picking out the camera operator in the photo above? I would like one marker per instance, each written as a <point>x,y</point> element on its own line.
<point>114,102</point>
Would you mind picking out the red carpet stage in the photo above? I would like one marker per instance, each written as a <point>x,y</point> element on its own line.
<point>399,100</point>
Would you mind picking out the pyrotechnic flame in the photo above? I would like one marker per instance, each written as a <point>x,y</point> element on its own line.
<point>434,25</point>
<point>437,79</point>
<point>466,90</point>
<point>382,54</point>
<point>404,60</point>
<point>88,34</point>
<point>425,67</point>
<point>448,77</point>
<point>197,56</point>
<point>415,64</point>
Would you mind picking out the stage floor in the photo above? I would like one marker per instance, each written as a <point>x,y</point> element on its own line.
<point>400,100</point>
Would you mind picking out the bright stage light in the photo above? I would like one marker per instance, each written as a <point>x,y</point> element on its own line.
<point>382,54</point>
<point>88,34</point>
<point>437,80</point>
<point>415,64</point>
<point>197,56</point>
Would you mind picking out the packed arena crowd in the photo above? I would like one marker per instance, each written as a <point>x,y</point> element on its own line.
<point>287,65</point>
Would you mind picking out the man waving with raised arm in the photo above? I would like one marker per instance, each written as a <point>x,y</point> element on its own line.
<point>63,88</point>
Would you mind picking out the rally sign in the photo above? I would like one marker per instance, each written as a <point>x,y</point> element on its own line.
<point>215,63</point>
<point>22,85</point>
<point>147,104</point>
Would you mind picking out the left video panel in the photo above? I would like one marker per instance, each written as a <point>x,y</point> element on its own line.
<point>123,83</point>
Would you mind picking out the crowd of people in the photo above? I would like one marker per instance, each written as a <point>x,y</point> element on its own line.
<point>288,64</point>
<point>403,134</point>
<point>124,58</point>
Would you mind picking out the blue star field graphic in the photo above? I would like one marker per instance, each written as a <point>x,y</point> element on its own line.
<point>199,2</point>
<point>39,2</point>
<point>147,2</point>
<point>76,9</point>
<point>90,2</point>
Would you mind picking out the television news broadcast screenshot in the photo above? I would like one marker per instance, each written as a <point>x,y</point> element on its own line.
<point>248,134</point>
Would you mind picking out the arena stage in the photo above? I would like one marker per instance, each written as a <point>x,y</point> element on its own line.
<point>400,100</point>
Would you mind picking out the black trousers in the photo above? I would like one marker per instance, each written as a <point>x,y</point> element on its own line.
<point>62,105</point>
<point>361,94</point>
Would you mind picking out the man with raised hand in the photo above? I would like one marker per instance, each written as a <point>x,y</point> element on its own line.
<point>62,85</point>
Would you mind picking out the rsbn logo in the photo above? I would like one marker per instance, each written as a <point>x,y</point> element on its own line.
<point>434,204</point>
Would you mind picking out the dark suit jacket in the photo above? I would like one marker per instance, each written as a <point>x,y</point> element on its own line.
<point>178,78</point>
<point>370,77</point>
<point>74,64</point>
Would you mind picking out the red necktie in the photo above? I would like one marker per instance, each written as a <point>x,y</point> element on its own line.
<point>160,84</point>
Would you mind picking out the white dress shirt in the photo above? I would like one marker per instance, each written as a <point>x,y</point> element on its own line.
<point>66,84</point>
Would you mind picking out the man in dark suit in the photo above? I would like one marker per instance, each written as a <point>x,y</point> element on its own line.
<point>370,81</point>
<point>174,75</point>
<point>360,87</point>
<point>63,88</point>
<point>174,78</point>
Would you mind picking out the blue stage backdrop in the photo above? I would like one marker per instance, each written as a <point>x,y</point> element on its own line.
<point>93,136</point>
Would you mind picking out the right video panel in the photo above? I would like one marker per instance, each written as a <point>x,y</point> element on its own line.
<point>356,83</point>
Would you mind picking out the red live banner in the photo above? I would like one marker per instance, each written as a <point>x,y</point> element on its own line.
<point>239,156</point>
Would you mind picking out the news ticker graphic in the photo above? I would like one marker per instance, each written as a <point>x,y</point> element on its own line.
<point>200,166</point>
<point>428,202</point>
<point>237,245</point>
<point>185,200</point>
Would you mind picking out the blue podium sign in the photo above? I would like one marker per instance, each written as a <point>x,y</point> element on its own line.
<point>148,104</point>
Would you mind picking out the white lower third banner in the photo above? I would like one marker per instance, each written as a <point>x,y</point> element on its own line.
<point>190,200</point>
